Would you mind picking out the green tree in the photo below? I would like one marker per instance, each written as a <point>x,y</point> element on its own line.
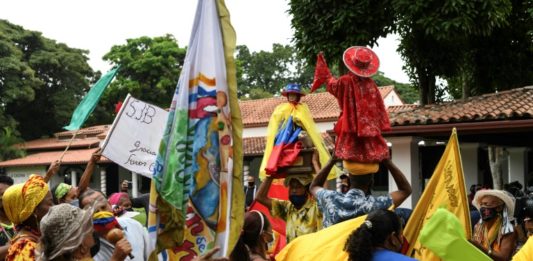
<point>459,41</point>
<point>408,93</point>
<point>435,38</point>
<point>150,68</point>
<point>8,139</point>
<point>41,81</point>
<point>332,26</point>
<point>260,73</point>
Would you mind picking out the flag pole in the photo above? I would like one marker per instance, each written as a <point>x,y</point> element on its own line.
<point>49,174</point>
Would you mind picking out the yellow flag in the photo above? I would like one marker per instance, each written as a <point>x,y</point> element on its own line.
<point>526,252</point>
<point>445,189</point>
<point>326,244</point>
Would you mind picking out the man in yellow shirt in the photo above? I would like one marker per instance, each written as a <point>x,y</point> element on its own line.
<point>300,212</point>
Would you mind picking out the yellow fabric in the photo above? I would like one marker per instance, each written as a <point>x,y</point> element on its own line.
<point>102,214</point>
<point>358,168</point>
<point>487,237</point>
<point>302,116</point>
<point>526,252</point>
<point>20,200</point>
<point>229,39</point>
<point>22,249</point>
<point>299,222</point>
<point>326,244</point>
<point>446,189</point>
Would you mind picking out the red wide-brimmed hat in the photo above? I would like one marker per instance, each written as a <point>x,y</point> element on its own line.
<point>360,60</point>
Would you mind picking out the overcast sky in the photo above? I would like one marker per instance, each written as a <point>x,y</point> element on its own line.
<point>97,25</point>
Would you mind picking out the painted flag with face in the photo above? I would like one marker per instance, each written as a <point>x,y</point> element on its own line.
<point>196,197</point>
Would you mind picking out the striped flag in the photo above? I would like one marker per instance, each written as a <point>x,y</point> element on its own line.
<point>197,201</point>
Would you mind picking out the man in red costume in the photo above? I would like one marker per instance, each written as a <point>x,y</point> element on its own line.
<point>363,115</point>
<point>359,142</point>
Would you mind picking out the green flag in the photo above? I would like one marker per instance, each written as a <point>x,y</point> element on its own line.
<point>90,100</point>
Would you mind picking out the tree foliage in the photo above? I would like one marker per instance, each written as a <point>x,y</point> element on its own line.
<point>150,68</point>
<point>332,26</point>
<point>41,81</point>
<point>477,46</point>
<point>262,73</point>
<point>407,92</point>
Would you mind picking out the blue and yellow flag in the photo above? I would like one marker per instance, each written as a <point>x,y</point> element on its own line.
<point>197,196</point>
<point>446,189</point>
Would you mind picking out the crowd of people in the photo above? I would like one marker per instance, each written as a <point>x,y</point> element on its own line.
<point>79,223</point>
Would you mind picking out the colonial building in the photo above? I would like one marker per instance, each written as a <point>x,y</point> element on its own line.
<point>417,140</point>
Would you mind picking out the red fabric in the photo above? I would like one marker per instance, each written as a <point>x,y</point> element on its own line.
<point>282,156</point>
<point>277,191</point>
<point>289,154</point>
<point>363,115</point>
<point>118,105</point>
<point>322,73</point>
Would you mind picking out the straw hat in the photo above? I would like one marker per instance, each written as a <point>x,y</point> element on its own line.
<point>503,195</point>
<point>360,60</point>
<point>304,179</point>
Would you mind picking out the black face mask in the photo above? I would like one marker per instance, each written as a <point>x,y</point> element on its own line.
<point>251,184</point>
<point>298,200</point>
<point>488,213</point>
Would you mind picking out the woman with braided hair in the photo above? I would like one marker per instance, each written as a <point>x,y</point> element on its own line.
<point>379,238</point>
<point>255,236</point>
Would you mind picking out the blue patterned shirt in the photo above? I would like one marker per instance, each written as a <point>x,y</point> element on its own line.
<point>337,207</point>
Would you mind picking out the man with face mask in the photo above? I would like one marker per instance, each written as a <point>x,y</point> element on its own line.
<point>300,212</point>
<point>249,191</point>
<point>494,234</point>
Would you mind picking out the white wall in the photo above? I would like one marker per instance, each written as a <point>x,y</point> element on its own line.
<point>392,99</point>
<point>21,174</point>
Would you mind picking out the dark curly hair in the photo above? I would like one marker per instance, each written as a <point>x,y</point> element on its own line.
<point>363,241</point>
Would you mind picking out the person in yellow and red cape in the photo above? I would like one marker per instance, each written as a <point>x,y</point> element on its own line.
<point>363,115</point>
<point>282,148</point>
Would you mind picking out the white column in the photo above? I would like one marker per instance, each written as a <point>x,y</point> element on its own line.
<point>134,184</point>
<point>517,164</point>
<point>469,158</point>
<point>245,173</point>
<point>103,182</point>
<point>405,155</point>
<point>74,178</point>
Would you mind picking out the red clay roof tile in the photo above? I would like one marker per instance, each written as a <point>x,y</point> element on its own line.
<point>46,158</point>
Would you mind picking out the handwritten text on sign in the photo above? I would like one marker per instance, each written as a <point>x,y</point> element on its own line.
<point>134,138</point>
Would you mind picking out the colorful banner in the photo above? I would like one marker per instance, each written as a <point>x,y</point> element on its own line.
<point>134,137</point>
<point>198,174</point>
<point>88,103</point>
<point>445,189</point>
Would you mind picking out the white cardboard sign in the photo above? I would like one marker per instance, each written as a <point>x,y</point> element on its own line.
<point>133,140</point>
